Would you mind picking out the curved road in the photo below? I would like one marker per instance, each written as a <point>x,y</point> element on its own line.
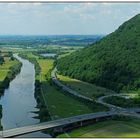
<point>130,111</point>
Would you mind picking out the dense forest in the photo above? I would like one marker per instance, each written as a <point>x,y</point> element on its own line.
<point>112,62</point>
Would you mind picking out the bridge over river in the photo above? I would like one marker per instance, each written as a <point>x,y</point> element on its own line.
<point>55,124</point>
<point>63,122</point>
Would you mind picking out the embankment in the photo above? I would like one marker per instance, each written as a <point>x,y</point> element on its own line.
<point>43,113</point>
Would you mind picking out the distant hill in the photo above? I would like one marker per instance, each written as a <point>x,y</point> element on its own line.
<point>112,62</point>
<point>35,40</point>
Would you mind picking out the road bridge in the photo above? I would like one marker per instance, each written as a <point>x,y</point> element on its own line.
<point>54,124</point>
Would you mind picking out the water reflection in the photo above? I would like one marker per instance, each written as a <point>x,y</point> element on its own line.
<point>18,102</point>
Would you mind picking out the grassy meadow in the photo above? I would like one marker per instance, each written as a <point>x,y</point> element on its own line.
<point>84,88</point>
<point>107,129</point>
<point>4,68</point>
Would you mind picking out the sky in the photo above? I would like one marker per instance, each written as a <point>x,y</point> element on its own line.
<point>64,18</point>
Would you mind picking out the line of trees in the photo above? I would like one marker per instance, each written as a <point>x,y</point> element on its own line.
<point>0,117</point>
<point>1,58</point>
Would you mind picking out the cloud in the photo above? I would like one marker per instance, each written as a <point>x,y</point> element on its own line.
<point>65,17</point>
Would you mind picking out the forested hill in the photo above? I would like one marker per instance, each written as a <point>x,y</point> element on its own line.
<point>112,62</point>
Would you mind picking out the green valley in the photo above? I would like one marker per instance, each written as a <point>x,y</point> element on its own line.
<point>70,70</point>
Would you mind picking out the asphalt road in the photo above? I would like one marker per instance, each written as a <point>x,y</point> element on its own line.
<point>54,124</point>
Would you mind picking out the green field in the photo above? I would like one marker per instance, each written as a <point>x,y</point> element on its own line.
<point>65,54</point>
<point>4,69</point>
<point>46,65</point>
<point>84,88</point>
<point>107,129</point>
<point>41,48</point>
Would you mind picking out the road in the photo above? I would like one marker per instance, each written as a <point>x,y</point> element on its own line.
<point>113,107</point>
<point>54,124</point>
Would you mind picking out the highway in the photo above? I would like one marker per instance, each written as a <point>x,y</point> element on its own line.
<point>54,124</point>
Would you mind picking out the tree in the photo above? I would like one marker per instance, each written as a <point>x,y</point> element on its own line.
<point>1,60</point>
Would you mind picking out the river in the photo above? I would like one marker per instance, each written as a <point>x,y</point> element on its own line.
<point>18,101</point>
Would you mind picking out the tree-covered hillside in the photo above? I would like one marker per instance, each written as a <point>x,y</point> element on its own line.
<point>112,62</point>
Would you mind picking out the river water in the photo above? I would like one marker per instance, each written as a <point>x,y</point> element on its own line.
<point>18,101</point>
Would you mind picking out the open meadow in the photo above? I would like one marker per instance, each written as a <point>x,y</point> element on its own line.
<point>107,129</point>
<point>84,88</point>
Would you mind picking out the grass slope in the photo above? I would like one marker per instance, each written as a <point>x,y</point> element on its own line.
<point>107,129</point>
<point>84,88</point>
